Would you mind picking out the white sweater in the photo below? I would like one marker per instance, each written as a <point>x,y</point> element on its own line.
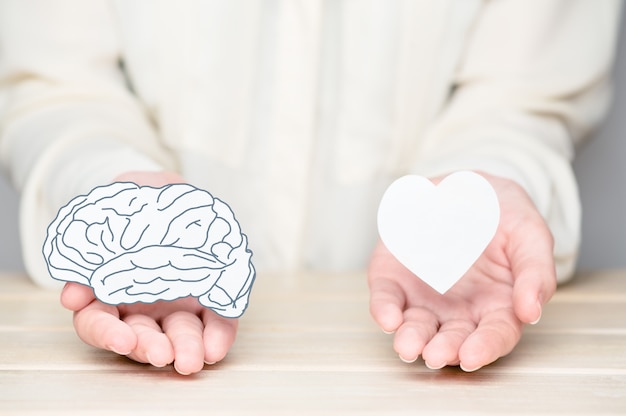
<point>299,113</point>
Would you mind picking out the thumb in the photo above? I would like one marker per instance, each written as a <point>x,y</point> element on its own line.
<point>75,296</point>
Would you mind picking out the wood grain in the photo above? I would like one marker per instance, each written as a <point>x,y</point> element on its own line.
<point>308,346</point>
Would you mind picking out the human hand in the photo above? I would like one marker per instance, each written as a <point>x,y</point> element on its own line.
<point>180,331</point>
<point>481,317</point>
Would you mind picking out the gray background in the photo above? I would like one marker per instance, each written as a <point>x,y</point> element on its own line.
<point>599,167</point>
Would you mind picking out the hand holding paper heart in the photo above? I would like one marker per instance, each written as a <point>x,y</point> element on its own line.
<point>480,318</point>
<point>438,231</point>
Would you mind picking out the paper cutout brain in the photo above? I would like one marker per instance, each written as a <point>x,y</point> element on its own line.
<point>143,244</point>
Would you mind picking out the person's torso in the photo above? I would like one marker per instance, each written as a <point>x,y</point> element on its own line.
<point>297,113</point>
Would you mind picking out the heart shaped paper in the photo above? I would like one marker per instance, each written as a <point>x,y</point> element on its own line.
<point>438,231</point>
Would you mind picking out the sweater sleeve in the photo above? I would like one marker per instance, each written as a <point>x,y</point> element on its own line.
<point>68,121</point>
<point>533,82</point>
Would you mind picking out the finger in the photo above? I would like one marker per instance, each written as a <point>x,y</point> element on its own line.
<point>75,296</point>
<point>153,346</point>
<point>184,330</point>
<point>98,325</point>
<point>219,335</point>
<point>530,293</point>
<point>532,264</point>
<point>496,335</point>
<point>444,348</point>
<point>387,301</point>
<point>419,327</point>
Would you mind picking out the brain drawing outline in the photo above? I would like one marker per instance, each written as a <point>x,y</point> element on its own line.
<point>135,243</point>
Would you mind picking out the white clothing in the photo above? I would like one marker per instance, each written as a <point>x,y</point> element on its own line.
<point>299,113</point>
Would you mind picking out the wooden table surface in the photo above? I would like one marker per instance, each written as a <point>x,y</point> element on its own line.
<point>307,345</point>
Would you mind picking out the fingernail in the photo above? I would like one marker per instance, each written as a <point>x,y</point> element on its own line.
<point>210,362</point>
<point>539,317</point>
<point>469,370</point>
<point>117,351</point>
<point>180,372</point>
<point>388,332</point>
<point>435,367</point>
<point>149,359</point>
<point>407,361</point>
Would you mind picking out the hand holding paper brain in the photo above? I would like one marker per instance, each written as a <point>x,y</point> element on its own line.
<point>143,244</point>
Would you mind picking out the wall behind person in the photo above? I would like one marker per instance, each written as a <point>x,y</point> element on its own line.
<point>600,167</point>
<point>10,253</point>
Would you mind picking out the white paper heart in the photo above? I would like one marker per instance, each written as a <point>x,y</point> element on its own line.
<point>438,231</point>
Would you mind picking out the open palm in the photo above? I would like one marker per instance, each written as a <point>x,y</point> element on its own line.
<point>181,331</point>
<point>481,317</point>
